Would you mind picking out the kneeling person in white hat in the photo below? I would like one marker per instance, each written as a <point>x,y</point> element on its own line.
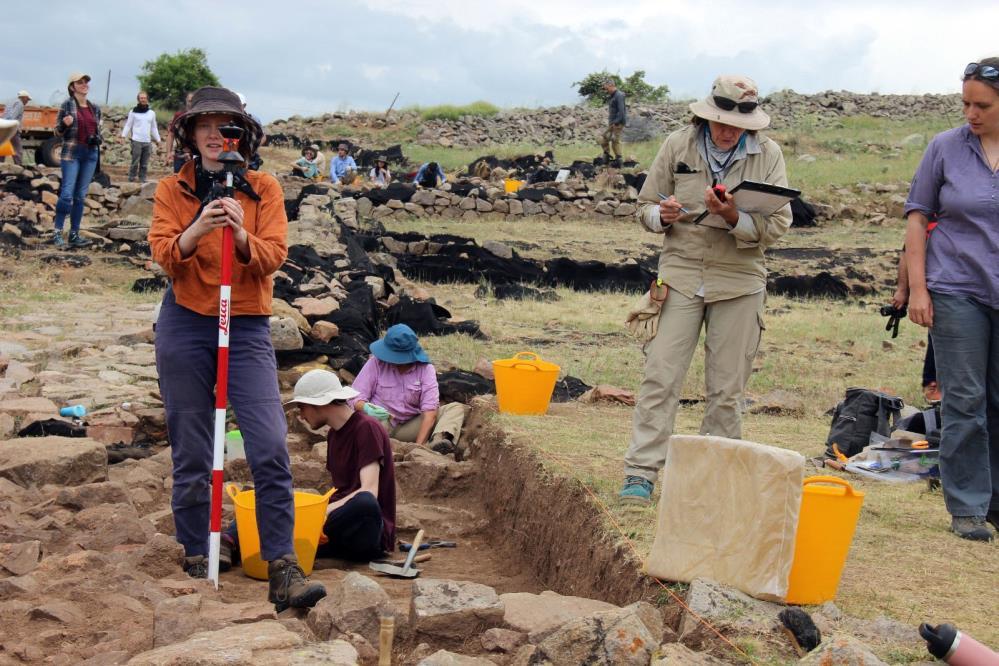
<point>360,520</point>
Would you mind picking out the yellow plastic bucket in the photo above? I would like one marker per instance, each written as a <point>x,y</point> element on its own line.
<point>7,150</point>
<point>512,185</point>
<point>524,383</point>
<point>826,524</point>
<point>310,514</point>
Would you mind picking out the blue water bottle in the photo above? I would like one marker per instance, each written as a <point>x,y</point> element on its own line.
<point>74,411</point>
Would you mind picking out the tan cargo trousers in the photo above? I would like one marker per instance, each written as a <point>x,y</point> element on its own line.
<point>611,140</point>
<point>450,418</point>
<point>733,329</point>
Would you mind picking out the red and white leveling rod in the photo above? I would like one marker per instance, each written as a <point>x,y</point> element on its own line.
<point>229,157</point>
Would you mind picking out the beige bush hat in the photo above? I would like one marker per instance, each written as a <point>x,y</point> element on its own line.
<point>24,93</point>
<point>76,76</point>
<point>734,100</point>
<point>320,387</point>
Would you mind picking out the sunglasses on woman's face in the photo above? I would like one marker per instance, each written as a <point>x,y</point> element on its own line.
<point>987,72</point>
<point>726,104</point>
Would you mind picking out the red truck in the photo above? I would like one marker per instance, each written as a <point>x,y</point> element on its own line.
<point>38,132</point>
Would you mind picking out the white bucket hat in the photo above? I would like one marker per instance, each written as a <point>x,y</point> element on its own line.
<point>320,387</point>
<point>734,100</point>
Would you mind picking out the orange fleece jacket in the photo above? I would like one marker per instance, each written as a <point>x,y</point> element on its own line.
<point>196,279</point>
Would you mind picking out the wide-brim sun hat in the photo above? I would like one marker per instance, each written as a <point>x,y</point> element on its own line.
<point>24,93</point>
<point>209,100</point>
<point>737,93</point>
<point>320,387</point>
<point>399,346</point>
<point>76,76</point>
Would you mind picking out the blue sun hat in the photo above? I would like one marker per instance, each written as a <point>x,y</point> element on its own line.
<point>400,345</point>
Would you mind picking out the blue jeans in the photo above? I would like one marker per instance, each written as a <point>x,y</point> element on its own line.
<point>186,354</point>
<point>966,343</point>
<point>77,172</point>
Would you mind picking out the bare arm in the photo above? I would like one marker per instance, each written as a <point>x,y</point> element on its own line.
<point>369,484</point>
<point>426,426</point>
<point>920,305</point>
<point>901,296</point>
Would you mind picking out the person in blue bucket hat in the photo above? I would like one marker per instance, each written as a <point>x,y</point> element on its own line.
<point>398,386</point>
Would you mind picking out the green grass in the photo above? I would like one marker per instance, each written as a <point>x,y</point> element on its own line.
<point>455,112</point>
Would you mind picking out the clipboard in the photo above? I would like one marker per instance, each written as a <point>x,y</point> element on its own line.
<point>753,197</point>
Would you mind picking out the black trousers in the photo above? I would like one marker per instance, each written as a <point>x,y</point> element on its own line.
<point>354,530</point>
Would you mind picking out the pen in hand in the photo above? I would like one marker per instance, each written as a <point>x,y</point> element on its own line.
<point>664,198</point>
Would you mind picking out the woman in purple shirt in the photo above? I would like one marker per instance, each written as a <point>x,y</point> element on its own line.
<point>398,385</point>
<point>954,290</point>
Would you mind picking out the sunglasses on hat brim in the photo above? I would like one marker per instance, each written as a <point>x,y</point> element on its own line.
<point>726,104</point>
<point>987,72</point>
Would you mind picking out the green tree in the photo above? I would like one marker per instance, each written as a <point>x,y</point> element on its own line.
<point>170,77</point>
<point>634,87</point>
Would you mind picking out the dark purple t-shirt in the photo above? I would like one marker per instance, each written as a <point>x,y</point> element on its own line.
<point>955,184</point>
<point>361,441</point>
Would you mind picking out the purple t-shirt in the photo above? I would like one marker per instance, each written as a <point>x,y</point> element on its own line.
<point>358,443</point>
<point>404,394</point>
<point>955,183</point>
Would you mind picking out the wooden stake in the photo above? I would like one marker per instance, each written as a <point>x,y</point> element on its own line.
<point>386,635</point>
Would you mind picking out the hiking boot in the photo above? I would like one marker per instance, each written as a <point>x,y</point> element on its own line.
<point>228,553</point>
<point>75,240</point>
<point>971,528</point>
<point>288,586</point>
<point>607,158</point>
<point>636,490</point>
<point>616,163</point>
<point>442,444</point>
<point>993,517</point>
<point>57,239</point>
<point>196,566</point>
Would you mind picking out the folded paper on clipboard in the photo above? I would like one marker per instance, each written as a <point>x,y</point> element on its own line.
<point>752,197</point>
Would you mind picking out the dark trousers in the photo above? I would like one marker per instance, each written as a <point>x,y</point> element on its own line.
<point>929,362</point>
<point>354,530</point>
<point>966,342</point>
<point>186,350</point>
<point>141,150</point>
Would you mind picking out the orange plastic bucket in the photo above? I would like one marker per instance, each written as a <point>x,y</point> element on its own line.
<point>826,524</point>
<point>524,383</point>
<point>310,514</point>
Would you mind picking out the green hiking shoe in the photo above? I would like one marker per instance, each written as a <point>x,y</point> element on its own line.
<point>636,490</point>
<point>288,586</point>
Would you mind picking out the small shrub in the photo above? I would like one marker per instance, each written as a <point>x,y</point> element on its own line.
<point>453,112</point>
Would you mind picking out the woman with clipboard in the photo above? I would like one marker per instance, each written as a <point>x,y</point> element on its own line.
<point>713,269</point>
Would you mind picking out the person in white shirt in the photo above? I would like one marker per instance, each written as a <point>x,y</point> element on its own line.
<point>380,174</point>
<point>141,128</point>
<point>16,112</point>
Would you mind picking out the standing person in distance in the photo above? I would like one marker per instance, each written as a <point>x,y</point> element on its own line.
<point>714,271</point>
<point>185,239</point>
<point>617,118</point>
<point>140,127</point>
<point>16,112</point>
<point>954,290</point>
<point>79,126</point>
<point>177,155</point>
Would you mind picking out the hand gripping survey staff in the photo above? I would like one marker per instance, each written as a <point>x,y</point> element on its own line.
<point>231,160</point>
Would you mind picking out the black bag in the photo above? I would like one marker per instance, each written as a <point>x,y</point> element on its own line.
<point>927,422</point>
<point>861,412</point>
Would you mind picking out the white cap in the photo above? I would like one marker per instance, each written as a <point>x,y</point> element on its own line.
<point>320,387</point>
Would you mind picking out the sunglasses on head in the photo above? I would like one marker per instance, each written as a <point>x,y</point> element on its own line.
<point>987,72</point>
<point>726,104</point>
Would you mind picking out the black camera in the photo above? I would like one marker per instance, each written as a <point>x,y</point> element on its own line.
<point>94,140</point>
<point>895,315</point>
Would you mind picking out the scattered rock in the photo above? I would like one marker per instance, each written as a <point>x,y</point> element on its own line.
<point>354,605</point>
<point>285,334</point>
<point>332,653</point>
<point>20,558</point>
<point>611,638</point>
<point>445,658</point>
<point>453,610</point>
<point>176,619</point>
<point>66,461</point>
<point>161,556</point>
<point>841,650</point>
<point>239,644</point>
<point>537,615</point>
<point>502,640</point>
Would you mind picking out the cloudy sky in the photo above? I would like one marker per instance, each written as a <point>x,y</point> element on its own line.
<point>308,56</point>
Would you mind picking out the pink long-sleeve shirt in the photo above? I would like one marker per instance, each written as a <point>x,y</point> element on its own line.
<point>404,394</point>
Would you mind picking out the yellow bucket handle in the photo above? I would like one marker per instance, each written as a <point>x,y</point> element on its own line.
<point>526,356</point>
<point>526,365</point>
<point>830,479</point>
<point>232,489</point>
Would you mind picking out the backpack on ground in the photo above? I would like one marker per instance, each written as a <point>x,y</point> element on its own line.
<point>861,412</point>
<point>927,422</point>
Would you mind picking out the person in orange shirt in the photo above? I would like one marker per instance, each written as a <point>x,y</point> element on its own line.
<point>186,241</point>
